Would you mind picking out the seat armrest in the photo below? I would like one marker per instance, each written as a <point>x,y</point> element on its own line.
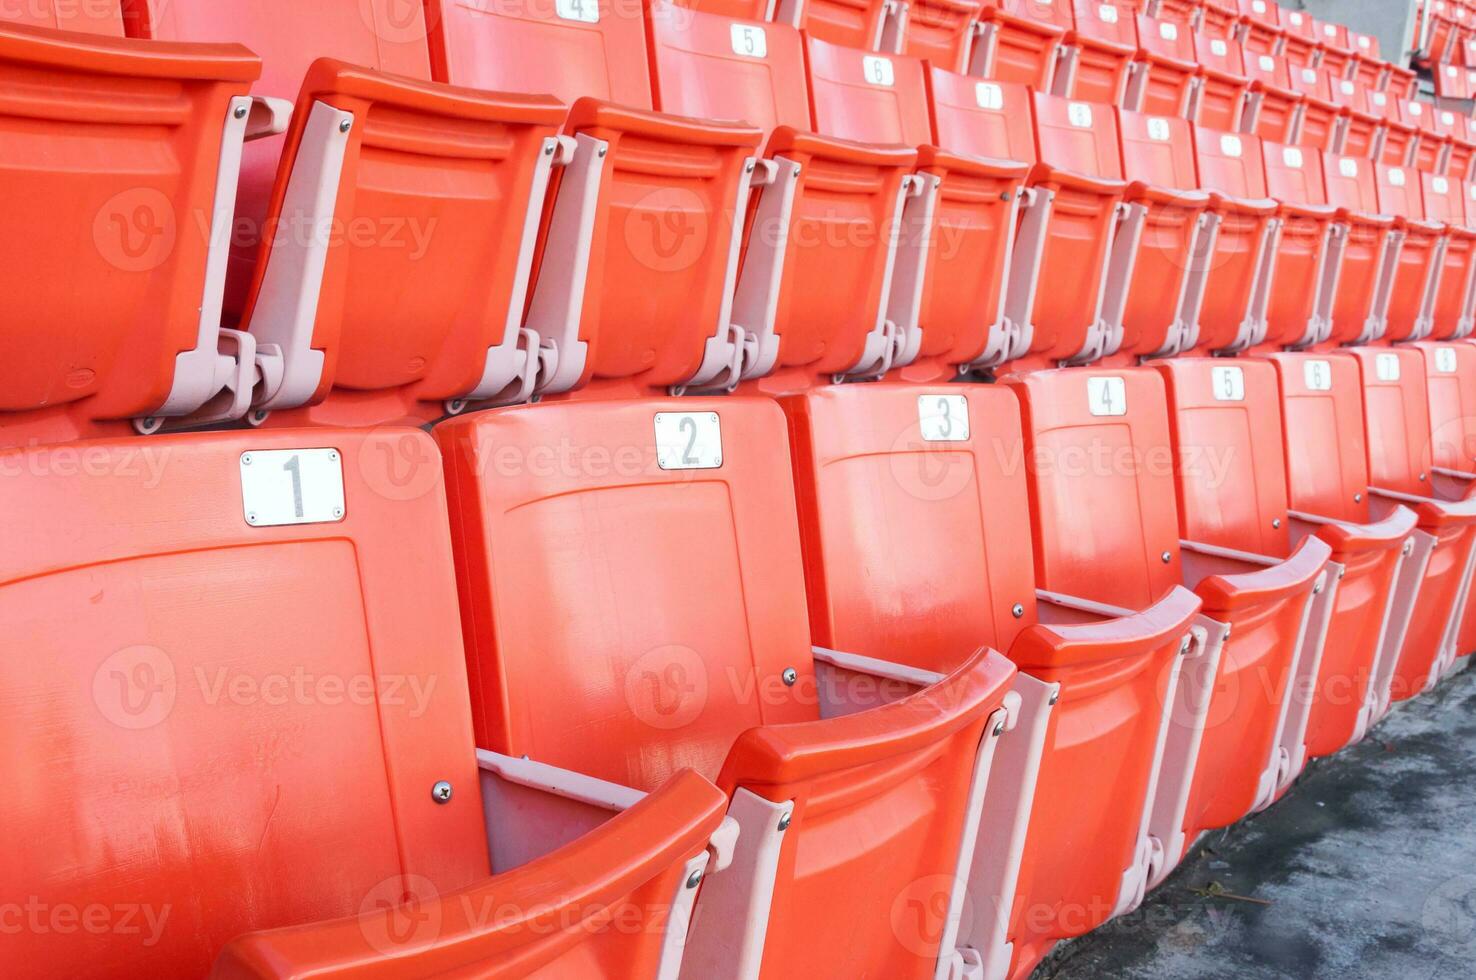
<point>268,117</point>
<point>1348,216</point>
<point>588,114</point>
<point>1044,173</point>
<point>1227,579</point>
<point>1431,512</point>
<point>1345,537</point>
<point>1057,603</point>
<point>1172,196</point>
<point>328,76</point>
<point>559,893</point>
<point>1316,212</point>
<point>787,141</point>
<point>1243,205</point>
<point>1054,646</point>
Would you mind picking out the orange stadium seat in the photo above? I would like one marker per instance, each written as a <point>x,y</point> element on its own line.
<point>1369,253</point>
<point>1020,40</point>
<point>283,777</point>
<point>1260,29</point>
<point>1102,48</point>
<point>1421,247</point>
<point>1223,85</point>
<point>590,606</point>
<point>1308,256</point>
<point>1168,78</point>
<point>1274,107</point>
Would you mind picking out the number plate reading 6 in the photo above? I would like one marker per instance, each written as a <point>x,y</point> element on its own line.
<point>1228,384</point>
<point>688,441</point>
<point>943,418</point>
<point>878,71</point>
<point>291,486</point>
<point>1107,396</point>
<point>1317,375</point>
<point>1386,367</point>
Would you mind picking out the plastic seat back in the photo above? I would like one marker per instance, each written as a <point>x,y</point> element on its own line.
<point>155,709</point>
<point>1455,131</point>
<point>1106,42</point>
<point>1334,48</point>
<point>125,148</point>
<point>1410,298</point>
<point>104,17</point>
<point>1221,18</point>
<point>653,314</point>
<point>1351,187</point>
<point>1274,105</point>
<point>1299,38</point>
<point>1397,414</point>
<point>1304,271</point>
<point>594,609</point>
<point>1321,116</point>
<point>1260,26</point>
<point>1232,164</point>
<point>1221,100</point>
<point>1167,48</point>
<point>1322,420</point>
<point>981,119</point>
<point>941,32</point>
<point>1024,38</point>
<point>1450,384</point>
<point>1445,200</point>
<point>1362,125</point>
<point>859,24</point>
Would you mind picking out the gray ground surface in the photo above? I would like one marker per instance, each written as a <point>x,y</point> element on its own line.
<point>1367,869</point>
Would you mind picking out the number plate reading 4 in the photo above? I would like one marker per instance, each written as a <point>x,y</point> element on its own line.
<point>943,418</point>
<point>688,441</point>
<point>291,486</point>
<point>1107,396</point>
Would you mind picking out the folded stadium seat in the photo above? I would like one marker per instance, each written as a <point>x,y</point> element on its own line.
<point>940,32</point>
<point>1334,49</point>
<point>1451,82</point>
<point>1323,119</point>
<point>1234,519</point>
<point>1363,125</point>
<point>1166,287</point>
<point>1189,12</point>
<point>1020,41</point>
<point>939,465</point>
<point>124,333</point>
<point>1401,139</point>
<point>1449,201</point>
<point>1223,85</point>
<point>639,251</point>
<point>591,608</point>
<point>1220,18</point>
<point>1274,108</point>
<point>103,17</point>
<point>1299,39</point>
<point>389,236</point>
<point>1396,415</point>
<point>1417,275</point>
<point>1260,29</point>
<point>1440,35</point>
<point>1430,152</point>
<point>1166,82</point>
<point>1098,443</point>
<point>1368,69</point>
<point>1100,54</point>
<point>1370,251</point>
<point>1456,129</point>
<point>831,210</point>
<point>1241,245</point>
<point>309,802</point>
<point>1383,561</point>
<point>1400,82</point>
<point>1308,257</point>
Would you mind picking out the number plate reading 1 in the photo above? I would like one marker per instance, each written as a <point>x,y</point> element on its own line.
<point>750,42</point>
<point>878,70</point>
<point>291,486</point>
<point>1317,375</point>
<point>989,96</point>
<point>585,11</point>
<point>1386,367</point>
<point>1107,396</point>
<point>943,418</point>
<point>1445,360</point>
<point>688,441</point>
<point>1228,383</point>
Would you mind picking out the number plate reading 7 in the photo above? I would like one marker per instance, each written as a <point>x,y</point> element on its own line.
<point>943,418</point>
<point>291,486</point>
<point>688,441</point>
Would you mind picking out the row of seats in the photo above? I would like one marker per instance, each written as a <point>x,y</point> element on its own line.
<point>1446,32</point>
<point>756,647</point>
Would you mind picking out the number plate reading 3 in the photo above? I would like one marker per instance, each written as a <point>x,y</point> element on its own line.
<point>943,418</point>
<point>1107,396</point>
<point>688,441</point>
<point>291,486</point>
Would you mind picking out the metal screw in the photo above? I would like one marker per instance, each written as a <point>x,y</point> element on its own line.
<point>784,823</point>
<point>338,512</point>
<point>790,675</point>
<point>548,149</point>
<point>999,728</point>
<point>1358,498</point>
<point>1005,196</point>
<point>1166,557</point>
<point>1276,523</point>
<point>1317,589</point>
<point>346,125</point>
<point>1408,547</point>
<point>1422,478</point>
<point>251,518</point>
<point>441,792</point>
<point>1055,698</point>
<point>1184,646</point>
<point>603,151</point>
<point>1341,573</point>
<point>333,455</point>
<point>1018,610</point>
<point>240,112</point>
<point>796,171</point>
<point>748,167</point>
<point>694,879</point>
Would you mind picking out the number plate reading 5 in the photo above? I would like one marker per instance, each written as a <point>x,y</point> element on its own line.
<point>291,486</point>
<point>1228,384</point>
<point>688,441</point>
<point>943,418</point>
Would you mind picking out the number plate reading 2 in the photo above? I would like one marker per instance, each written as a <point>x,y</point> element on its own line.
<point>688,441</point>
<point>1107,396</point>
<point>943,418</point>
<point>291,486</point>
<point>1228,383</point>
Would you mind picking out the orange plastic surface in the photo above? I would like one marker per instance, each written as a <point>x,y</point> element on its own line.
<point>853,23</point>
<point>1105,50</point>
<point>104,18</point>
<point>1399,197</point>
<point>112,149</point>
<point>1232,168</point>
<point>1167,49</point>
<point>1223,83</point>
<point>1443,199</point>
<point>941,32</point>
<point>1270,79</point>
<point>1294,177</point>
<point>1351,189</point>
<point>1028,35</point>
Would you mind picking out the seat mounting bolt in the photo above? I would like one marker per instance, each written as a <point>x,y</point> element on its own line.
<point>694,879</point>
<point>790,675</point>
<point>1017,610</point>
<point>784,822</point>
<point>441,792</point>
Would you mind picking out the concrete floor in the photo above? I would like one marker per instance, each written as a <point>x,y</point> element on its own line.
<point>1366,869</point>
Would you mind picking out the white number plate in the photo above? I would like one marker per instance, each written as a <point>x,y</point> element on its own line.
<point>878,70</point>
<point>1445,360</point>
<point>750,41</point>
<point>1158,129</point>
<point>1228,383</point>
<point>943,418</point>
<point>1107,396</point>
<point>688,441</point>
<point>291,486</point>
<point>584,11</point>
<point>1386,367</point>
<point>1079,114</point>
<point>989,96</point>
<point>1317,375</point>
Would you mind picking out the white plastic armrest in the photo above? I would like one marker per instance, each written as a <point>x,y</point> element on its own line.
<point>1453,474</point>
<point>848,683</point>
<point>1056,601</point>
<point>1232,557</point>
<point>560,782</point>
<point>884,669</point>
<point>268,116</point>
